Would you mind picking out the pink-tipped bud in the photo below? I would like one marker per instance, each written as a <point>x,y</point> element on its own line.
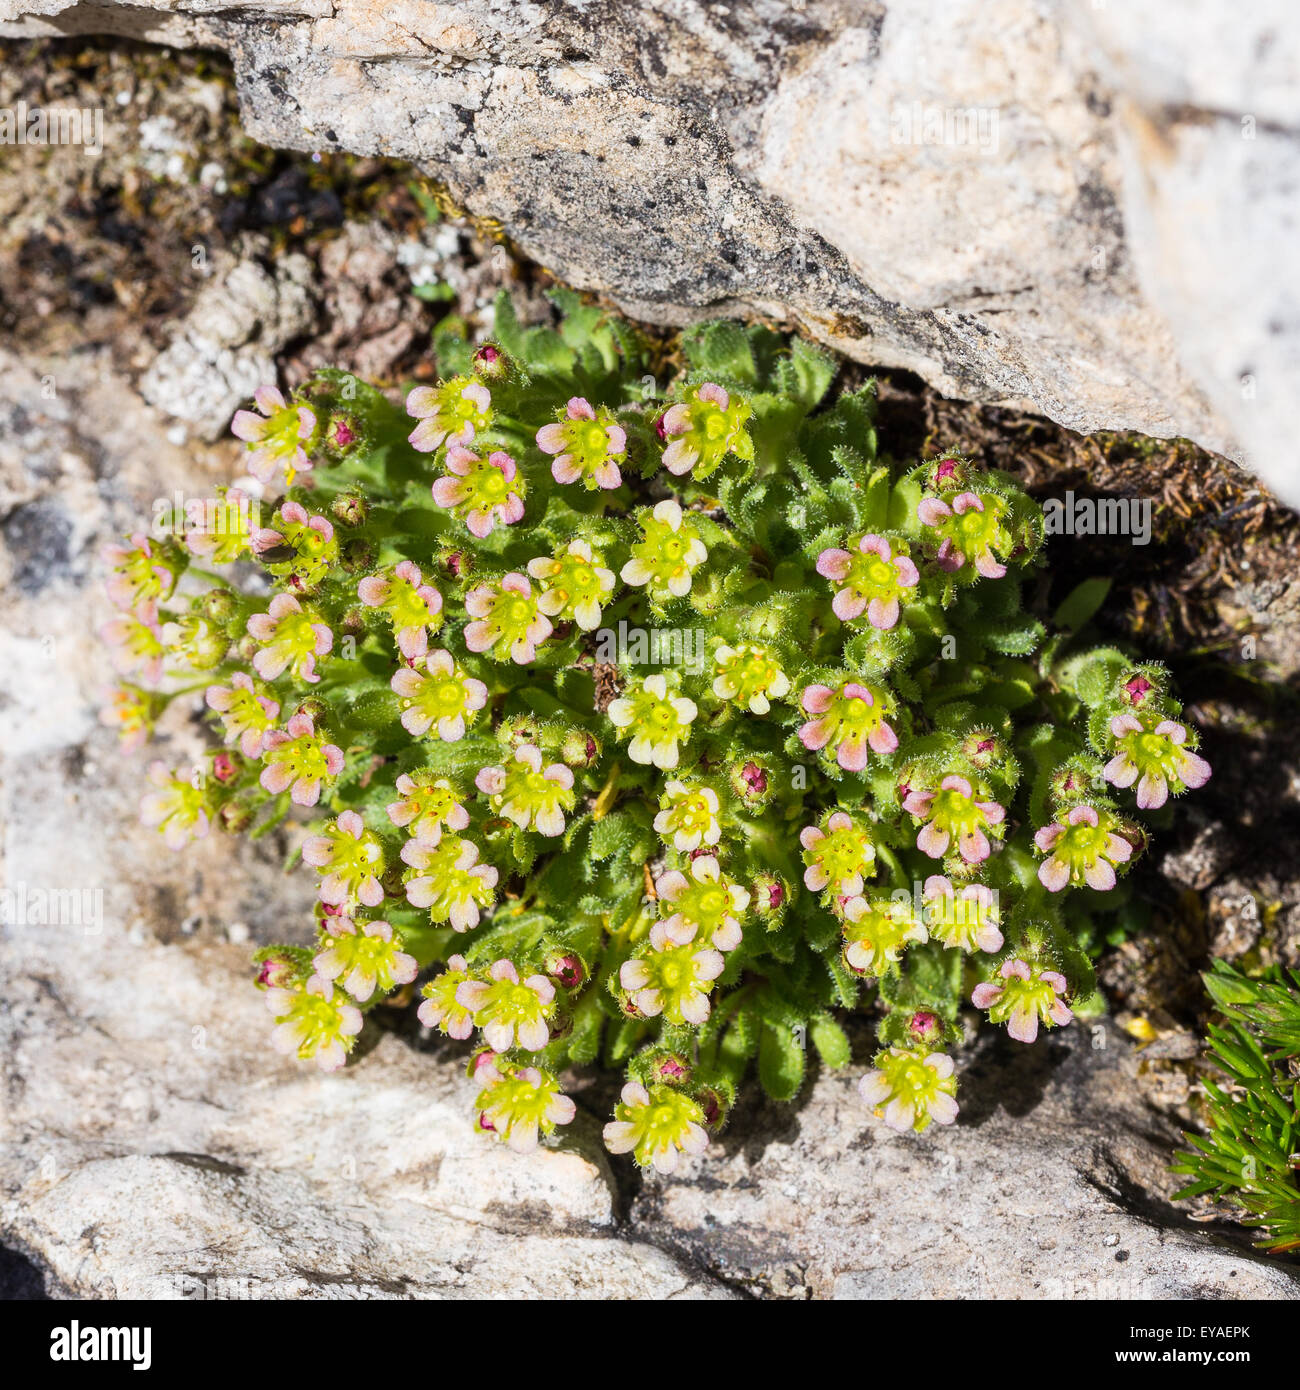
<point>770,895</point>
<point>671,1069</point>
<point>276,972</point>
<point>714,1105</point>
<point>982,748</point>
<point>490,362</point>
<point>223,767</point>
<point>750,781</point>
<point>565,968</point>
<point>924,1028</point>
<point>341,433</point>
<point>456,563</point>
<point>579,749</point>
<point>1137,690</point>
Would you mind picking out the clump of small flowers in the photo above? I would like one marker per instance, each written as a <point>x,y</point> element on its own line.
<point>644,729</point>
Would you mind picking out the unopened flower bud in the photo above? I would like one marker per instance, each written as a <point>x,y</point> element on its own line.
<point>521,729</point>
<point>219,605</point>
<point>770,895</point>
<point>316,710</point>
<point>948,473</point>
<point>341,433</point>
<point>1137,690</point>
<point>579,749</point>
<point>456,563</point>
<point>925,1029</point>
<point>276,971</point>
<point>235,817</point>
<point>223,767</point>
<point>490,363</point>
<point>565,968</point>
<point>983,748</point>
<point>714,1105</point>
<point>350,509</point>
<point>670,1069</point>
<point>750,782</point>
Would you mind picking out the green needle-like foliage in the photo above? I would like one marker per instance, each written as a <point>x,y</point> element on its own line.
<point>1251,1156</point>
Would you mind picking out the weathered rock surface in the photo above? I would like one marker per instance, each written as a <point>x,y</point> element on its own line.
<point>151,1144</point>
<point>1087,209</point>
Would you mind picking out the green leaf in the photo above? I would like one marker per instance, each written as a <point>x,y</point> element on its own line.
<point>1081,603</point>
<point>831,1042</point>
<point>780,1062</point>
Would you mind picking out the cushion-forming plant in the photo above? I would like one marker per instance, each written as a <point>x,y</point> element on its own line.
<point>664,723</point>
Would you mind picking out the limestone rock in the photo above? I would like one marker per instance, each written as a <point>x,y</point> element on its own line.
<point>1086,210</point>
<point>227,345</point>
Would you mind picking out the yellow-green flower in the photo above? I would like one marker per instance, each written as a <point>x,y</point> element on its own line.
<point>669,552</point>
<point>350,859</point>
<point>750,676</point>
<point>670,979</point>
<point>453,412</point>
<point>310,539</point>
<point>364,960</point>
<point>276,436</point>
<point>527,794</point>
<point>519,1105</point>
<point>704,428</point>
<point>441,1009</point>
<point>654,721</point>
<point>510,1011</point>
<point>317,1021</point>
<point>656,1126</point>
<point>909,1089</point>
<point>877,931</point>
<point>706,903</point>
<point>838,856</point>
<point>448,879</point>
<point>688,813</point>
<point>574,584</point>
<point>427,804</point>
<point>587,445</point>
<point>178,808</point>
